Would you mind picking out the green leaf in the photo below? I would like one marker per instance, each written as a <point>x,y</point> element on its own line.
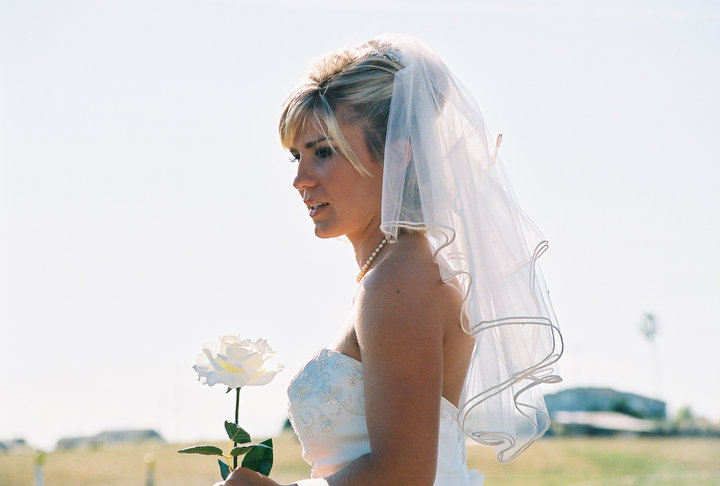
<point>236,433</point>
<point>260,458</point>
<point>224,469</point>
<point>229,390</point>
<point>239,451</point>
<point>206,450</point>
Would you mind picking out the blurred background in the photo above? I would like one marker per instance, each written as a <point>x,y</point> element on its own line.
<point>146,204</point>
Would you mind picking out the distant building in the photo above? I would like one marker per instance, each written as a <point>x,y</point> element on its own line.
<point>603,411</point>
<point>109,437</point>
<point>13,445</point>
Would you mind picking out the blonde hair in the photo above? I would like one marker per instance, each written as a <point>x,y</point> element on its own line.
<point>359,80</point>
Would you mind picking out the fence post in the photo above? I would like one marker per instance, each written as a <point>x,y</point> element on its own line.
<point>150,472</point>
<point>39,461</point>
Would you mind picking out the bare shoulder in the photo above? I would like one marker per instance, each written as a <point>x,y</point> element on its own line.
<point>405,292</point>
<point>402,313</point>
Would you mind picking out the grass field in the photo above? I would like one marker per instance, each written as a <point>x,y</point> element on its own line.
<point>550,462</point>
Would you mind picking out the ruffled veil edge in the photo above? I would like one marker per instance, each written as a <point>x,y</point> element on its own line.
<point>441,175</point>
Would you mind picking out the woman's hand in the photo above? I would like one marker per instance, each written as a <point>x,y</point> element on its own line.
<point>243,476</point>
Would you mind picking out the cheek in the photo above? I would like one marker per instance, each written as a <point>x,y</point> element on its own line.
<point>373,189</point>
<point>367,189</point>
<point>368,199</point>
<point>360,192</point>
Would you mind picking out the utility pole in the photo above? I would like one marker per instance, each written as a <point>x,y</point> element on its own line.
<point>649,328</point>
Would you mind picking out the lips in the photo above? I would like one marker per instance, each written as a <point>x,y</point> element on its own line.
<point>316,207</point>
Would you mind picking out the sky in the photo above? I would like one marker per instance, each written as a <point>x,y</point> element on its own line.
<point>146,204</point>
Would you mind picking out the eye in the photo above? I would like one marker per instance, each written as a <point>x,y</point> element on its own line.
<point>324,152</point>
<point>294,158</point>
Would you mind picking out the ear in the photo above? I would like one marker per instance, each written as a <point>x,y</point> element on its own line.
<point>400,150</point>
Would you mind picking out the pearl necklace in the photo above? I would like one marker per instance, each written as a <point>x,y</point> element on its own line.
<point>370,259</point>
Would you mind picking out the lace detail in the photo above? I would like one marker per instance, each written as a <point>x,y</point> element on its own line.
<point>320,399</point>
<point>327,411</point>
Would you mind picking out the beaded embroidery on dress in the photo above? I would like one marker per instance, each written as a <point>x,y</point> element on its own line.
<point>327,411</point>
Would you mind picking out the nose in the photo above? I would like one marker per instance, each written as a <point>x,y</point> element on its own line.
<point>304,179</point>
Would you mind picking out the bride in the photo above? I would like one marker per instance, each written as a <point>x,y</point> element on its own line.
<point>450,328</point>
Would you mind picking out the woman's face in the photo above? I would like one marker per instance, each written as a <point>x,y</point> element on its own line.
<point>340,200</point>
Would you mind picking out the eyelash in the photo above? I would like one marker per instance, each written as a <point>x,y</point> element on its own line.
<point>320,152</point>
<point>324,152</point>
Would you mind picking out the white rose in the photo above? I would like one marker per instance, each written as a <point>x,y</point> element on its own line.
<point>236,362</point>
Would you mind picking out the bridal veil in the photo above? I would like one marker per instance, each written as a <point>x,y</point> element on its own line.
<point>441,174</point>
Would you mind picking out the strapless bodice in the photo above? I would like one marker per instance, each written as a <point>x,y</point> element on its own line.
<point>327,411</point>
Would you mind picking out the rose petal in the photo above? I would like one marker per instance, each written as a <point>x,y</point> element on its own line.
<point>236,362</point>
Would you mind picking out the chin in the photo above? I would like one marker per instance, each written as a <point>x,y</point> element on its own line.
<point>327,236</point>
<point>325,233</point>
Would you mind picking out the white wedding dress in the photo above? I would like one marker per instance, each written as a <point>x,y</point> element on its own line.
<point>327,411</point>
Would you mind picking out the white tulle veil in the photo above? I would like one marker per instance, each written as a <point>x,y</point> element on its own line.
<point>442,175</point>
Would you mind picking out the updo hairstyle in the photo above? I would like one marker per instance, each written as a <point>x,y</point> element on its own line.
<point>360,80</point>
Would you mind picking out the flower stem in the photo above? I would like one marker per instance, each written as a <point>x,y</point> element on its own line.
<point>237,410</point>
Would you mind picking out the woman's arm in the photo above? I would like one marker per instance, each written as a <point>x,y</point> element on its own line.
<point>248,477</point>
<point>401,312</point>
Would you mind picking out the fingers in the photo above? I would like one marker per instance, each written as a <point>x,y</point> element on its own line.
<point>246,477</point>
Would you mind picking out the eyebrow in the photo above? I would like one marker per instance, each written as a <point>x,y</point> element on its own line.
<point>311,143</point>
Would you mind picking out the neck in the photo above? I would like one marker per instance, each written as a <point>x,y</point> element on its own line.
<point>365,246</point>
<point>371,259</point>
